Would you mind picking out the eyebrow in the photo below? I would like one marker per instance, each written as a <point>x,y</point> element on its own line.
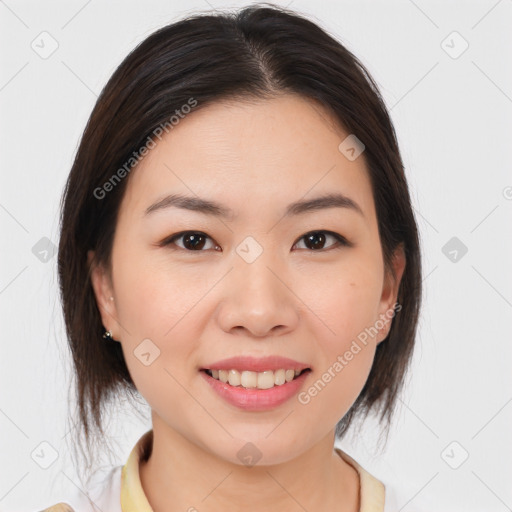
<point>207,207</point>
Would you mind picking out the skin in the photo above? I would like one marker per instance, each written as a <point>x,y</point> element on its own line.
<point>201,306</point>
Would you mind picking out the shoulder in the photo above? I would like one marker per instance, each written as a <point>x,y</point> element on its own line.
<point>103,493</point>
<point>389,494</point>
<point>398,495</point>
<point>59,507</point>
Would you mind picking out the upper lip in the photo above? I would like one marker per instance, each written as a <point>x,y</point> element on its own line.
<point>256,364</point>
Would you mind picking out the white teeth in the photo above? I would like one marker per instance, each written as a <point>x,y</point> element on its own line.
<point>234,378</point>
<point>252,380</point>
<point>266,380</point>
<point>249,379</point>
<point>279,377</point>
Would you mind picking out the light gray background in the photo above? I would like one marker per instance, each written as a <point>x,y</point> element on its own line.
<point>453,120</point>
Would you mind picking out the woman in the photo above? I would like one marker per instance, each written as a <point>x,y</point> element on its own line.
<point>238,246</point>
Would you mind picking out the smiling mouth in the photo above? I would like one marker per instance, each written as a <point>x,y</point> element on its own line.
<point>255,380</point>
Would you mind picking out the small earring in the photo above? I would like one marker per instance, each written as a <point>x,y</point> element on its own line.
<point>108,335</point>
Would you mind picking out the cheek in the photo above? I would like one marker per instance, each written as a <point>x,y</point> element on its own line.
<point>155,294</point>
<point>345,352</point>
<point>156,310</point>
<point>346,299</point>
<point>347,304</point>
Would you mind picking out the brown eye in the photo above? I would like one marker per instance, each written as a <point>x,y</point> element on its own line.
<point>192,241</point>
<point>196,241</point>
<point>316,240</point>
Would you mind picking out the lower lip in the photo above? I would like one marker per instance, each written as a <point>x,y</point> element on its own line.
<point>256,399</point>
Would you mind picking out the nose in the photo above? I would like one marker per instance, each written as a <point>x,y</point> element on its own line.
<point>257,298</point>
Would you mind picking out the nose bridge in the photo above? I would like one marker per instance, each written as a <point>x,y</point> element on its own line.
<point>257,297</point>
<point>255,272</point>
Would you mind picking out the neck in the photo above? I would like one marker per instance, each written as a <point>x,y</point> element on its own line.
<point>179,475</point>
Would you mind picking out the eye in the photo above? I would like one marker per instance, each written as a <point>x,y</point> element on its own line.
<point>315,240</point>
<point>193,241</point>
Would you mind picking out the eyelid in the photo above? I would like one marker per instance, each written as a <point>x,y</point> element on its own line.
<point>341,240</point>
<point>170,239</point>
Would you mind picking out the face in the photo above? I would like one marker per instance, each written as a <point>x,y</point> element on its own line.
<point>307,284</point>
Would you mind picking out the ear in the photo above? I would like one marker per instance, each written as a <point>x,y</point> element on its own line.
<point>103,290</point>
<point>390,289</point>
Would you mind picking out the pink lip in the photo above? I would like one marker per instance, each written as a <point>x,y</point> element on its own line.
<point>256,364</point>
<point>256,399</point>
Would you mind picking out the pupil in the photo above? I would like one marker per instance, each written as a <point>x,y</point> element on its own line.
<point>195,241</point>
<point>317,239</point>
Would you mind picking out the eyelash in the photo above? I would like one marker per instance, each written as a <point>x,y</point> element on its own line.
<point>341,241</point>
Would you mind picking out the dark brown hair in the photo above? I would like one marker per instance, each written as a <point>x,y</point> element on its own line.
<point>260,52</point>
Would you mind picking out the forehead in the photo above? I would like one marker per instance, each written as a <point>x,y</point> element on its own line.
<point>258,152</point>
